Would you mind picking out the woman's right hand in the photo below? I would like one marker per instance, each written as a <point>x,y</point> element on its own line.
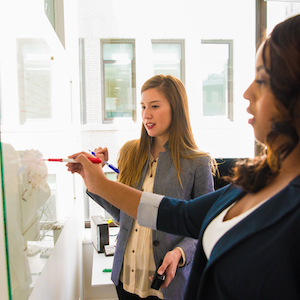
<point>91,173</point>
<point>101,153</point>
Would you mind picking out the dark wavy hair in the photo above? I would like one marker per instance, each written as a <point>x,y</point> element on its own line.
<point>283,45</point>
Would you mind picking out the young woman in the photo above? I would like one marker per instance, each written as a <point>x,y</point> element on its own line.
<point>164,160</point>
<point>249,241</point>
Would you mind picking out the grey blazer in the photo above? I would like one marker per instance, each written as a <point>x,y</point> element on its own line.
<point>197,180</point>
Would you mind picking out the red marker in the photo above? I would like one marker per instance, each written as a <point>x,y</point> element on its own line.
<point>94,160</point>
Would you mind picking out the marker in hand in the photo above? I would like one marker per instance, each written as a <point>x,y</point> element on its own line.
<point>94,160</point>
<point>109,165</point>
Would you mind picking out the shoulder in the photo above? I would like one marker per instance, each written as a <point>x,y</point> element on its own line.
<point>198,158</point>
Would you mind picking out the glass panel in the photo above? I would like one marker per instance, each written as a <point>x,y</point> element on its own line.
<point>118,91</point>
<point>115,51</point>
<point>167,59</point>
<point>118,80</point>
<point>215,79</point>
<point>34,79</point>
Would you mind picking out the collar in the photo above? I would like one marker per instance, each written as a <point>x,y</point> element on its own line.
<point>166,145</point>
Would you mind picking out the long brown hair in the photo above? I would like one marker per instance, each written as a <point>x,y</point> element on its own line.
<point>133,155</point>
<point>283,45</point>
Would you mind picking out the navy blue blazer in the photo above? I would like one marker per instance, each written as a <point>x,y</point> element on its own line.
<point>259,258</point>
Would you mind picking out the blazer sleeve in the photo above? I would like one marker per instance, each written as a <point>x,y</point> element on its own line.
<point>176,216</point>
<point>183,217</point>
<point>203,178</point>
<point>114,211</point>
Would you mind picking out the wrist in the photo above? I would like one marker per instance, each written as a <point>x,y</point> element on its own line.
<point>182,259</point>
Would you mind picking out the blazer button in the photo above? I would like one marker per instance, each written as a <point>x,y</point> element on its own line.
<point>155,243</point>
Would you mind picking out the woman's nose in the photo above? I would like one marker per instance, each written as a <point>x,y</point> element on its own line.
<point>247,93</point>
<point>146,113</point>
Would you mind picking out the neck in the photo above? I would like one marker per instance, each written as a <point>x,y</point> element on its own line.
<point>290,166</point>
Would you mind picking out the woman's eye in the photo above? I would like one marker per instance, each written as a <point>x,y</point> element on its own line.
<point>260,82</point>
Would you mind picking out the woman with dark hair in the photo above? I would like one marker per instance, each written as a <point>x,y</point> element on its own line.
<point>248,231</point>
<point>164,160</point>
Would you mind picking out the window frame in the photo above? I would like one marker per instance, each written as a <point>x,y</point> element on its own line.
<point>82,85</point>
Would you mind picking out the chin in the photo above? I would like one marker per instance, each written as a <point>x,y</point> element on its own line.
<point>151,135</point>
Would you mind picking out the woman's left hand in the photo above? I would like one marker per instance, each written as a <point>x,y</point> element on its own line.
<point>169,264</point>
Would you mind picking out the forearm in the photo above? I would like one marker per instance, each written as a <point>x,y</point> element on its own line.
<point>122,196</point>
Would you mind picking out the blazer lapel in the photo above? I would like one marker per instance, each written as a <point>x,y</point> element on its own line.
<point>230,195</point>
<point>266,215</point>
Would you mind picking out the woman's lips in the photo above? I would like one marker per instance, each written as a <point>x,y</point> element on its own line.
<point>251,121</point>
<point>150,125</point>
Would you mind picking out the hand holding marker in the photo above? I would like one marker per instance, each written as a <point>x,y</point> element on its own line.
<point>109,165</point>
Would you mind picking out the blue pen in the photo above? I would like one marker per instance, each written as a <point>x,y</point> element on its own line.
<point>109,165</point>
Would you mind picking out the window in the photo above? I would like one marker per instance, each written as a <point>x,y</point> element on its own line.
<point>217,80</point>
<point>118,79</point>
<point>168,58</point>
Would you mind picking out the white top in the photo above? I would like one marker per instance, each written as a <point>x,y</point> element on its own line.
<point>218,227</point>
<point>138,263</point>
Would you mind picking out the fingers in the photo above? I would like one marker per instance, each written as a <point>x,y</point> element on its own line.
<point>169,266</point>
<point>92,173</point>
<point>77,168</point>
<point>169,272</point>
<point>83,159</point>
<point>100,150</point>
<point>73,167</point>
